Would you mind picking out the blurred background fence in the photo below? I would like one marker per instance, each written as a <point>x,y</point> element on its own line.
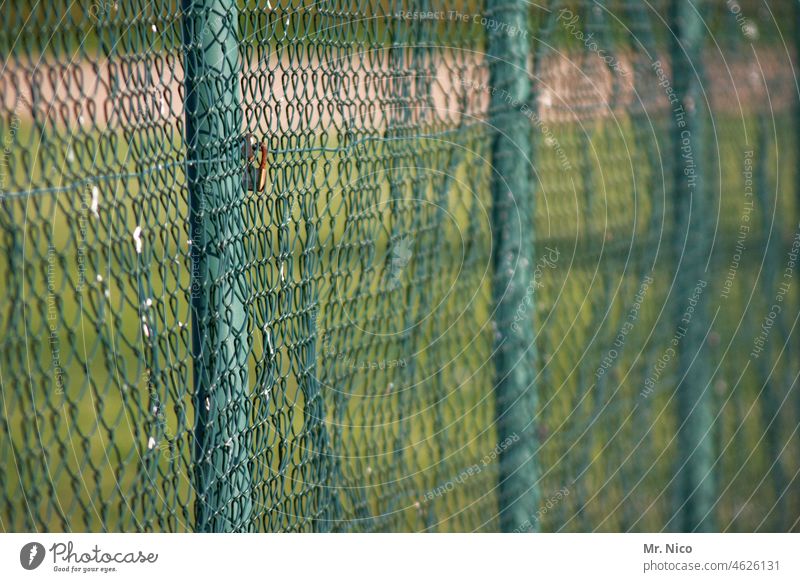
<point>399,265</point>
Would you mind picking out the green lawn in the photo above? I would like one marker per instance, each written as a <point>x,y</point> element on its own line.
<point>84,459</point>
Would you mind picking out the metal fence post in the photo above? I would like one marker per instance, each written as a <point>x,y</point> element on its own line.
<point>693,235</point>
<point>220,341</point>
<point>513,257</point>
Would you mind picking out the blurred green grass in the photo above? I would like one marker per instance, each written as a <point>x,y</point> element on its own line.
<point>81,460</point>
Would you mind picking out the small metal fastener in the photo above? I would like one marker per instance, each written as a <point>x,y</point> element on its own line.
<point>255,176</point>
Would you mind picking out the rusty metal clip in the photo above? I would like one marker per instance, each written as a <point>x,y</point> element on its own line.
<point>255,176</point>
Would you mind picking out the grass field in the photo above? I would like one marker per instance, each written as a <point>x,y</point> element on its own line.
<point>80,460</point>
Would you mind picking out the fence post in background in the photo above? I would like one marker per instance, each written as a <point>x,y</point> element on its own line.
<point>513,258</point>
<point>220,343</point>
<point>795,30</point>
<point>696,490</point>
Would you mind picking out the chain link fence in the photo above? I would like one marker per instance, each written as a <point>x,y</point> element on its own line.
<point>399,265</point>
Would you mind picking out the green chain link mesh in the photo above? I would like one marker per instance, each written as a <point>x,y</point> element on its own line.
<point>181,350</point>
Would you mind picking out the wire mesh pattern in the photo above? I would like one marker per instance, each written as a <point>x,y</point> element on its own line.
<point>189,342</point>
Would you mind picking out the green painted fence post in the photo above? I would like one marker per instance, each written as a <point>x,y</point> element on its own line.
<point>513,256</point>
<point>696,490</point>
<point>220,341</point>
